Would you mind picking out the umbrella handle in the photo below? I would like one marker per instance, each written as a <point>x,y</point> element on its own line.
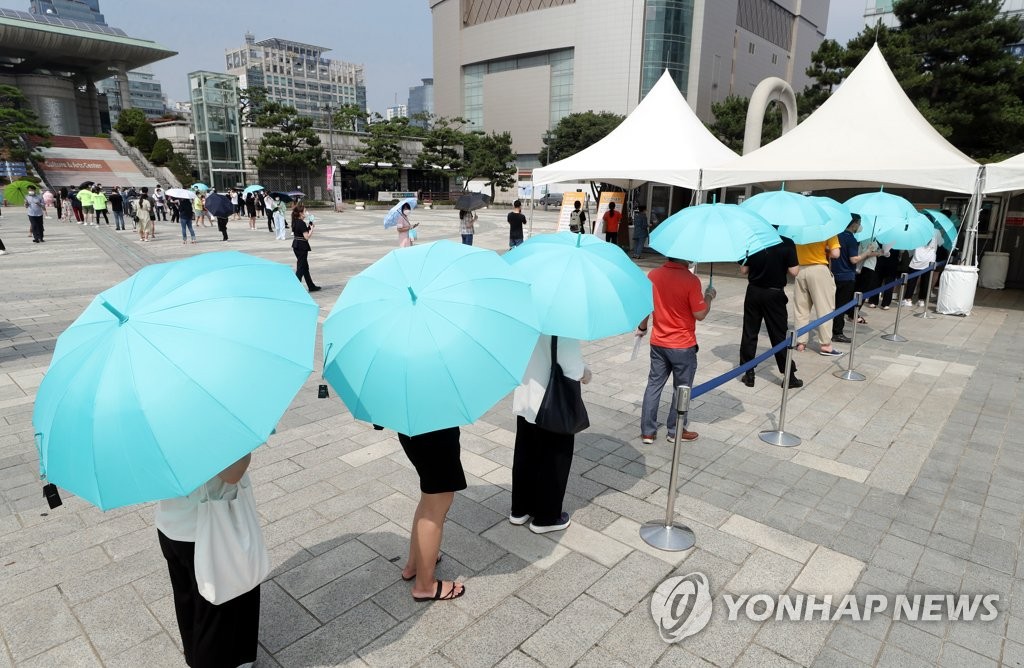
<point>121,317</point>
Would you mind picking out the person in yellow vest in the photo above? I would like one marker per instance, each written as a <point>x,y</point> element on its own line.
<point>99,204</point>
<point>85,197</point>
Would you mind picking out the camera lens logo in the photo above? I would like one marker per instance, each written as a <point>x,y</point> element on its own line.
<point>681,606</point>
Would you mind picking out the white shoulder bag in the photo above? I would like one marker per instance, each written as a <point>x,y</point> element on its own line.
<point>231,557</point>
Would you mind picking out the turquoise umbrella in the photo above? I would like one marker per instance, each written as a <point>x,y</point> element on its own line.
<point>781,207</point>
<point>583,287</point>
<point>391,217</point>
<point>945,225</point>
<point>200,186</point>
<point>713,233</point>
<point>900,233</point>
<point>252,189</point>
<point>838,219</point>
<point>429,337</point>
<point>171,375</point>
<point>880,205</point>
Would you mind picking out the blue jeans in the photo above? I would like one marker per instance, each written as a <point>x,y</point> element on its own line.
<point>186,223</point>
<point>467,239</point>
<point>118,220</point>
<point>638,245</point>
<point>682,362</point>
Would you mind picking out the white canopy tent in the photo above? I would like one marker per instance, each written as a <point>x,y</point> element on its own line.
<point>867,131</point>
<point>662,140</point>
<point>1006,175</point>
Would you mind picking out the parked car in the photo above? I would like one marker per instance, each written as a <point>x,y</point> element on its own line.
<point>551,199</point>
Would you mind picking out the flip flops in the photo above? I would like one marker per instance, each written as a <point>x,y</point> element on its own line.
<point>451,595</point>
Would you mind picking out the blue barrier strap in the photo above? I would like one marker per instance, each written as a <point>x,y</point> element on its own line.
<point>825,318</point>
<point>704,388</point>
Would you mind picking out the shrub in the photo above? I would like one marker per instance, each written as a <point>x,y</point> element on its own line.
<point>161,153</point>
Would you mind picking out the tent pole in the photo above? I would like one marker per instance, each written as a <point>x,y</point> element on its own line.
<point>533,200</point>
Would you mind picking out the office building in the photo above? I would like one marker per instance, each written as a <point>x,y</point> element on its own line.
<point>297,74</point>
<point>145,93</point>
<point>396,111</point>
<point>421,99</point>
<point>522,66</point>
<point>86,11</point>
<point>880,11</point>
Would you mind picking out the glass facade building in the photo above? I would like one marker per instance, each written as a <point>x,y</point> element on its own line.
<point>145,92</point>
<point>87,11</point>
<point>668,33</point>
<point>214,99</point>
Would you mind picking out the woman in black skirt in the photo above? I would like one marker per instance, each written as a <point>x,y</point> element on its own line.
<point>213,636</point>
<point>301,232</point>
<point>435,455</point>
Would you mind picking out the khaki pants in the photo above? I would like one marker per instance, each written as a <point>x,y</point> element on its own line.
<point>815,288</point>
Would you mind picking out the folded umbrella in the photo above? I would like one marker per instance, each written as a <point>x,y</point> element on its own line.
<point>219,206</point>
<point>582,286</point>
<point>429,337</point>
<point>172,375</point>
<point>391,217</point>
<point>472,201</point>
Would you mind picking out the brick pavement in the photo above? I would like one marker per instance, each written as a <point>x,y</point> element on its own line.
<point>910,482</point>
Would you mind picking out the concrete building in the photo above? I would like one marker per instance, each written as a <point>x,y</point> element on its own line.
<point>297,74</point>
<point>522,66</point>
<point>880,11</point>
<point>421,98</point>
<point>86,11</point>
<point>396,111</point>
<point>144,91</point>
<point>55,62</point>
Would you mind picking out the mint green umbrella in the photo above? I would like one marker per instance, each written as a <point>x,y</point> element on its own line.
<point>172,375</point>
<point>429,337</point>
<point>945,225</point>
<point>713,233</point>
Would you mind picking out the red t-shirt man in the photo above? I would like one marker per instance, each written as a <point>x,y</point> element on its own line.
<point>611,220</point>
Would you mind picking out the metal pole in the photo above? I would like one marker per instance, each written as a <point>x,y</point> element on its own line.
<point>780,436</point>
<point>850,374</point>
<point>667,535</point>
<point>928,297</point>
<point>895,336</point>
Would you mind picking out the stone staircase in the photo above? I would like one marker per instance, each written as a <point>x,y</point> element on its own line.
<point>161,175</point>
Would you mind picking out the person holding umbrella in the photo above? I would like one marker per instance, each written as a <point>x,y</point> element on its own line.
<point>405,227</point>
<point>250,208</point>
<point>467,219</point>
<point>184,211</point>
<point>301,232</point>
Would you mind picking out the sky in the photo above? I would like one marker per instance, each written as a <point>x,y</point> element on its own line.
<point>391,38</point>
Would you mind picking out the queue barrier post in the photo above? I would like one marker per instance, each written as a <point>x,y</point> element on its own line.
<point>850,374</point>
<point>928,297</point>
<point>895,337</point>
<point>780,436</point>
<point>668,535</point>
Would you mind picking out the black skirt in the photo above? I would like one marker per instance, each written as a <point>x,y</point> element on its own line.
<point>436,458</point>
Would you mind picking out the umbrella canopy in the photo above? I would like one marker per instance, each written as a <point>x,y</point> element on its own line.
<point>252,189</point>
<point>391,217</point>
<point>901,233</point>
<point>86,184</point>
<point>713,233</point>
<point>429,337</point>
<point>583,287</point>
<point>219,206</point>
<point>200,186</point>
<point>780,207</point>
<point>472,201</point>
<point>880,205</point>
<point>15,192</point>
<point>181,193</point>
<point>837,219</point>
<point>945,225</point>
<point>284,197</point>
<point>171,375</point>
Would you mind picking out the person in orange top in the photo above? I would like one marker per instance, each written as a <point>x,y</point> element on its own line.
<point>678,305</point>
<point>611,220</point>
<point>815,288</point>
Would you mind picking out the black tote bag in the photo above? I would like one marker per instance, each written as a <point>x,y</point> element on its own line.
<point>562,410</point>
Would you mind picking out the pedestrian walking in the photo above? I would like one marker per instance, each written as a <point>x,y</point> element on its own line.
<point>144,211</point>
<point>117,208</point>
<point>640,231</point>
<point>302,230</point>
<point>222,227</point>
<point>48,202</point>
<point>516,220</point>
<point>467,221</point>
<point>184,210</point>
<point>62,201</point>
<point>35,207</point>
<point>160,204</point>
<point>250,209</point>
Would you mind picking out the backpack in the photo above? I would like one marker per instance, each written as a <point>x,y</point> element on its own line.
<point>574,221</point>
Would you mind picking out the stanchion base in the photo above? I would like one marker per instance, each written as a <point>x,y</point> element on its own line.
<point>849,375</point>
<point>924,314</point>
<point>673,538</point>
<point>895,338</point>
<point>783,439</point>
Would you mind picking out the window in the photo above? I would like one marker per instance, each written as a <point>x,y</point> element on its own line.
<point>750,48</point>
<point>775,59</point>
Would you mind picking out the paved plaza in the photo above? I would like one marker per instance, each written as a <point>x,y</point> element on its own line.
<point>911,482</point>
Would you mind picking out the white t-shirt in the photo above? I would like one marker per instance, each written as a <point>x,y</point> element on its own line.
<point>925,255</point>
<point>176,518</point>
<point>528,396</point>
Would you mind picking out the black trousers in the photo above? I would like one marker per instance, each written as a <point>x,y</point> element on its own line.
<point>222,225</point>
<point>35,225</point>
<point>104,213</point>
<point>917,288</point>
<point>887,269</point>
<point>867,280</point>
<point>302,264</point>
<point>161,213</point>
<point>213,636</point>
<point>270,219</point>
<point>767,305</point>
<point>844,293</point>
<point>540,472</point>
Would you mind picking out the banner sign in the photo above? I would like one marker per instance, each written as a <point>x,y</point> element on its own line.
<point>568,201</point>
<point>602,207</point>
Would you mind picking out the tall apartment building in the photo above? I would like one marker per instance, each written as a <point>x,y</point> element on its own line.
<point>522,66</point>
<point>421,98</point>
<point>144,91</point>
<point>87,11</point>
<point>396,111</point>
<point>881,11</point>
<point>297,74</point>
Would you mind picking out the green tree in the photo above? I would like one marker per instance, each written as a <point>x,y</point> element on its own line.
<point>144,138</point>
<point>731,122</point>
<point>491,158</point>
<point>351,118</point>
<point>249,102</point>
<point>181,168</point>
<point>291,141</point>
<point>576,132</point>
<point>161,153</point>
<point>444,148</point>
<point>380,157</point>
<point>17,120</point>
<point>129,121</point>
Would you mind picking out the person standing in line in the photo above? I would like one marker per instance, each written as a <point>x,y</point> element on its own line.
<point>640,231</point>
<point>36,210</point>
<point>85,198</point>
<point>184,210</point>
<point>99,205</point>
<point>269,205</point>
<point>765,301</point>
<point>815,288</point>
<point>117,208</point>
<point>144,210</point>
<point>301,233</point>
<point>467,221</point>
<point>160,204</point>
<point>678,305</point>
<point>844,272</point>
<point>516,220</point>
<point>542,459</point>
<point>887,269</point>
<point>611,219</point>
<point>405,226</point>
<point>920,259</point>
<point>250,208</point>
<point>867,273</point>
<point>211,635</point>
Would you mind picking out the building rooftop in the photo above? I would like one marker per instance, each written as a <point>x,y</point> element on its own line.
<point>279,42</point>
